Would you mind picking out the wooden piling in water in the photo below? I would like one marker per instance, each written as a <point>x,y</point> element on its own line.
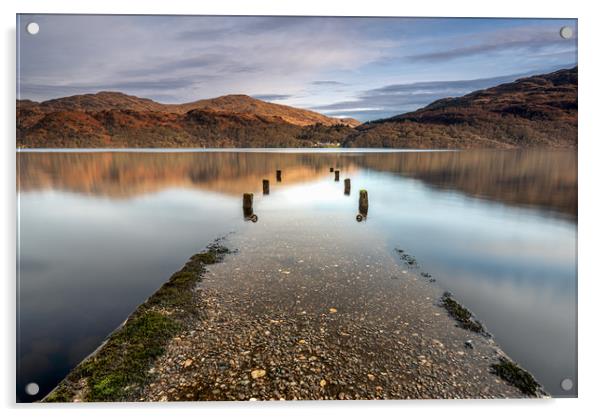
<point>331,169</point>
<point>248,215</point>
<point>336,175</point>
<point>266,186</point>
<point>247,207</point>
<point>347,186</point>
<point>247,201</point>
<point>363,203</point>
<point>278,175</point>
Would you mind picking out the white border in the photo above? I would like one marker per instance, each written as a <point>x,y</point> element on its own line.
<point>590,209</point>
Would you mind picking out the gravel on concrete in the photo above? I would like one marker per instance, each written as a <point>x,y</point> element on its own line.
<point>299,314</point>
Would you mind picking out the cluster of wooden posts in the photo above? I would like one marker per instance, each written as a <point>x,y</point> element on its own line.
<point>363,202</point>
<point>247,198</point>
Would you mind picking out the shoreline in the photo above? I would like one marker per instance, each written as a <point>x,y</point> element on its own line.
<point>157,346</point>
<point>234,149</point>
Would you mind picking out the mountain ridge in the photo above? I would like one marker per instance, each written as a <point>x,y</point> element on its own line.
<point>232,103</point>
<point>536,111</point>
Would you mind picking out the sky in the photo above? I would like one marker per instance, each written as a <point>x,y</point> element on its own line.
<point>366,68</point>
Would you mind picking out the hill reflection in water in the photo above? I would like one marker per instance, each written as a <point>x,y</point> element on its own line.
<point>544,179</point>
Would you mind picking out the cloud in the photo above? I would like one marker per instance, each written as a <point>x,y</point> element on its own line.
<point>220,26</point>
<point>531,38</point>
<point>210,56</point>
<point>159,88</point>
<point>328,83</point>
<point>272,97</point>
<point>194,62</point>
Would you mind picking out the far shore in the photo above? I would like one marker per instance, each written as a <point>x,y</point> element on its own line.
<point>231,149</point>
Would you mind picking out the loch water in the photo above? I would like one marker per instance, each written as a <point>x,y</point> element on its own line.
<point>99,231</point>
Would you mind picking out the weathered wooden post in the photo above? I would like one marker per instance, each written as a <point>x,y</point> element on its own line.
<point>266,186</point>
<point>347,186</point>
<point>247,213</point>
<point>247,207</point>
<point>331,169</point>
<point>363,203</point>
<point>247,201</point>
<point>336,175</point>
<point>278,175</point>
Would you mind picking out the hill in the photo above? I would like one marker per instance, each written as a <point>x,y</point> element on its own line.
<point>110,119</point>
<point>195,129</point>
<point>238,103</point>
<point>104,100</point>
<point>537,111</point>
<point>235,103</point>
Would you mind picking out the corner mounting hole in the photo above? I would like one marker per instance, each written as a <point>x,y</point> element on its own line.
<point>32,28</point>
<point>566,384</point>
<point>566,32</point>
<point>32,388</point>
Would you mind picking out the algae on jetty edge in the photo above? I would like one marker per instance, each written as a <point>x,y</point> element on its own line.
<point>462,315</point>
<point>119,367</point>
<point>408,259</point>
<point>515,375</point>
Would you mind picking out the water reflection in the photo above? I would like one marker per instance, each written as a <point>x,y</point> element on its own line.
<point>99,232</point>
<point>546,179</point>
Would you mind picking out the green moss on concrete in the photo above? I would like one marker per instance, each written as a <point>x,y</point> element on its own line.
<point>125,358</point>
<point>515,375</point>
<point>462,315</point>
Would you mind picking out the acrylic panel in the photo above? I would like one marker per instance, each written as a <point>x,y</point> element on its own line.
<point>279,208</point>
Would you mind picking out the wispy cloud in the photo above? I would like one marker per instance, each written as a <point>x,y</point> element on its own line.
<point>160,86</point>
<point>530,38</point>
<point>272,97</point>
<point>328,83</point>
<point>210,56</point>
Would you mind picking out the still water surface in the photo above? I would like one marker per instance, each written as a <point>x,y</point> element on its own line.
<point>101,231</point>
